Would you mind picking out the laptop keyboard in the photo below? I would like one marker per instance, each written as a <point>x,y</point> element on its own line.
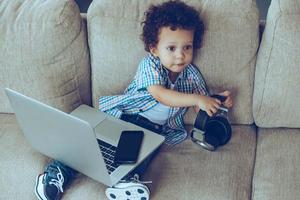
<point>108,153</point>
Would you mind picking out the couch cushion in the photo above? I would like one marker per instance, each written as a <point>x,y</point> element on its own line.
<point>115,47</point>
<point>189,172</point>
<point>18,161</point>
<point>228,55</point>
<point>182,172</point>
<point>226,58</point>
<point>44,52</point>
<point>277,91</point>
<point>20,164</point>
<point>277,172</point>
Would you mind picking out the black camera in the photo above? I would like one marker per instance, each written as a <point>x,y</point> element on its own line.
<point>212,132</point>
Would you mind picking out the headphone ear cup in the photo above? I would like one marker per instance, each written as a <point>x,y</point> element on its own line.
<point>201,120</point>
<point>211,138</point>
<point>227,134</point>
<point>220,128</point>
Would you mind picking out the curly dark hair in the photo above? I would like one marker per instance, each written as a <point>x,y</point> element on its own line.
<point>173,14</point>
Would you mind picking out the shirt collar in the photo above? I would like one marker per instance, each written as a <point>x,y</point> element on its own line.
<point>156,60</point>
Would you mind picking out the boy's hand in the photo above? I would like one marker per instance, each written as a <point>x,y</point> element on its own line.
<point>209,105</point>
<point>228,102</point>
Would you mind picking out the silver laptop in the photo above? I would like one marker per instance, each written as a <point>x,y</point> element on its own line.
<point>85,139</point>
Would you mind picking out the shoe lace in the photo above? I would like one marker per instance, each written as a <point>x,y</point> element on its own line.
<point>136,178</point>
<point>59,181</point>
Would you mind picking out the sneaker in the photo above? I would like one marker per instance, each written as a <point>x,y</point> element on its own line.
<point>128,190</point>
<point>48,187</point>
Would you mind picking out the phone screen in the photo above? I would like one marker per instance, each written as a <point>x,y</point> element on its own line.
<point>128,147</point>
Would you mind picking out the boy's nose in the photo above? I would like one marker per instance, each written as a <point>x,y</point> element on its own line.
<point>179,54</point>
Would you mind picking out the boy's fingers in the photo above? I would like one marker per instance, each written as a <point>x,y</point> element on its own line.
<point>209,113</point>
<point>214,110</point>
<point>228,104</point>
<point>218,101</point>
<point>225,93</point>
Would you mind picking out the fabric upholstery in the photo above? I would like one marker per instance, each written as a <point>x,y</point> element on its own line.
<point>188,172</point>
<point>20,164</point>
<point>277,91</point>
<point>44,52</point>
<point>231,37</point>
<point>183,172</point>
<point>228,54</point>
<point>277,172</point>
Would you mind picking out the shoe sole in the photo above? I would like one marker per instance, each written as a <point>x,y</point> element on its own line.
<point>128,193</point>
<point>37,190</point>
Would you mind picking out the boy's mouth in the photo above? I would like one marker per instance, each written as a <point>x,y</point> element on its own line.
<point>180,65</point>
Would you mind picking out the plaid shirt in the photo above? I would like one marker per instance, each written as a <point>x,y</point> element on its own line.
<point>137,99</point>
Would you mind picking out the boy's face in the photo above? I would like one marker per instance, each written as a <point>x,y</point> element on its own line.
<point>174,49</point>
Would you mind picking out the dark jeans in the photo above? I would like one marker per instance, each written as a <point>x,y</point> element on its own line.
<point>140,169</point>
<point>147,124</point>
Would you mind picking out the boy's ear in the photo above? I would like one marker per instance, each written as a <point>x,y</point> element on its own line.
<point>153,50</point>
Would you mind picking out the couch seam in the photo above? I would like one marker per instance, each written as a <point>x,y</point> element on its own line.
<point>82,30</point>
<point>268,65</point>
<point>254,163</point>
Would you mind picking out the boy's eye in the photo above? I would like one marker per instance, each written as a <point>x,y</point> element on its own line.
<point>171,48</point>
<point>188,47</point>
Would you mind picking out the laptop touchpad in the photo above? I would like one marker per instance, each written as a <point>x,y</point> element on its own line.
<point>110,130</point>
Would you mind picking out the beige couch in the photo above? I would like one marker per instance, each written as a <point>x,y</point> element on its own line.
<point>50,52</point>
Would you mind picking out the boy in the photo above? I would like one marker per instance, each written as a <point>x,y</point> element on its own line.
<point>166,82</point>
<point>165,85</point>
